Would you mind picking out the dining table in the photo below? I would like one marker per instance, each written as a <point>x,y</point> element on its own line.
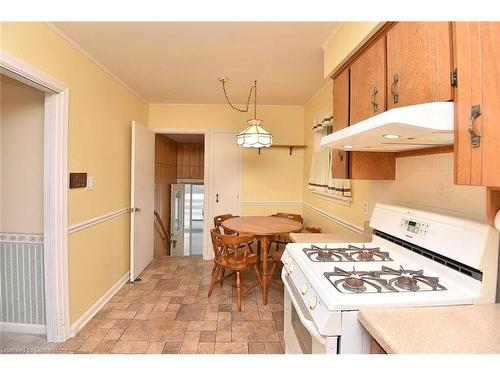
<point>264,229</point>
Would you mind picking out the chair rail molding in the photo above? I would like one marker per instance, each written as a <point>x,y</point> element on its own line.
<point>272,203</point>
<point>97,220</point>
<point>336,219</point>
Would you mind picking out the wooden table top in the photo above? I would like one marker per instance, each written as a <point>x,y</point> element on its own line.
<point>262,225</point>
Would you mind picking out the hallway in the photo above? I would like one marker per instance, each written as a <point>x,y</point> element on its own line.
<point>168,312</point>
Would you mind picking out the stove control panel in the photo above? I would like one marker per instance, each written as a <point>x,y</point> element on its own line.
<point>414,227</point>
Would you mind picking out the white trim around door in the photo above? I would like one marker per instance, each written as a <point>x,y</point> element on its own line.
<point>55,191</point>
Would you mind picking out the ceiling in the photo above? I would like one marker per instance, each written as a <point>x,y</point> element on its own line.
<point>179,62</point>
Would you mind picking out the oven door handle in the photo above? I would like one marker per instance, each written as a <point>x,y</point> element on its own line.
<point>299,307</point>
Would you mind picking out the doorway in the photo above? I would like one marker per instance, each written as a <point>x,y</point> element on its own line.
<point>222,175</point>
<point>53,239</point>
<point>179,194</point>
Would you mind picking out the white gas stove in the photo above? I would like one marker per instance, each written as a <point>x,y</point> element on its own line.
<point>416,258</point>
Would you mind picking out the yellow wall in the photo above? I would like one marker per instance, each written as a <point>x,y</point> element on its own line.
<point>353,214</point>
<point>274,175</point>
<point>21,157</point>
<point>348,38</point>
<point>100,113</point>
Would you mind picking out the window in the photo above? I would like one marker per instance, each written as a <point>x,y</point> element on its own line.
<point>320,179</point>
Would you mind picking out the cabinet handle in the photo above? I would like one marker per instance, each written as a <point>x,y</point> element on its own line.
<point>374,99</point>
<point>341,155</point>
<point>394,92</point>
<point>216,198</point>
<point>475,139</point>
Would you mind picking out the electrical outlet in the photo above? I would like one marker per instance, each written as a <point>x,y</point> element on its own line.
<point>365,207</point>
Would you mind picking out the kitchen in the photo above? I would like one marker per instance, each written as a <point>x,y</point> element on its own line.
<point>407,209</point>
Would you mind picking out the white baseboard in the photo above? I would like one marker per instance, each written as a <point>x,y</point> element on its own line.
<point>89,314</point>
<point>36,329</point>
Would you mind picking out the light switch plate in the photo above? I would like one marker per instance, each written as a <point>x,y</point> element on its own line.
<point>90,183</point>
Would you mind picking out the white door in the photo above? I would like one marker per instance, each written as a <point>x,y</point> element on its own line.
<point>177,220</point>
<point>142,199</point>
<point>226,174</point>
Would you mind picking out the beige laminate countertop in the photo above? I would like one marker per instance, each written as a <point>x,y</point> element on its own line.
<point>326,237</point>
<point>469,329</point>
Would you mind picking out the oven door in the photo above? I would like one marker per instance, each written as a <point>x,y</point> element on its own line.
<point>301,334</point>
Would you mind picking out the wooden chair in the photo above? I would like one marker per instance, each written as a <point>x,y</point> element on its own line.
<point>233,252</point>
<point>280,248</point>
<point>284,239</point>
<point>219,219</point>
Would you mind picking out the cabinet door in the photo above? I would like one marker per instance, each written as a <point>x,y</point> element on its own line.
<point>368,83</point>
<point>340,121</point>
<point>477,53</point>
<point>418,63</point>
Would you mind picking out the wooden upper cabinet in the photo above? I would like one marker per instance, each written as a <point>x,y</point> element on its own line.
<point>418,63</point>
<point>340,121</point>
<point>477,97</point>
<point>368,93</point>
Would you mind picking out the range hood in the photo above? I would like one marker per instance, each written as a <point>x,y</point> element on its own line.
<point>398,129</point>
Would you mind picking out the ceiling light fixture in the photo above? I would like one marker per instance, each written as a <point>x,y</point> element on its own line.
<point>254,135</point>
<point>391,136</point>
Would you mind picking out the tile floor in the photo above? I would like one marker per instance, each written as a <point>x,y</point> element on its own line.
<point>168,311</point>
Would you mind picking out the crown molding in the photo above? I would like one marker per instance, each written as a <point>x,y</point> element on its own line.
<point>71,41</point>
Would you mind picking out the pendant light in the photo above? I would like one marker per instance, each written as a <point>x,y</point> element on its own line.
<point>254,135</point>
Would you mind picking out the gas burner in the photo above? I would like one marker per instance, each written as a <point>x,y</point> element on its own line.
<point>354,284</point>
<point>357,281</point>
<point>409,280</point>
<point>365,254</point>
<point>350,253</point>
<point>382,281</point>
<point>318,254</point>
<point>324,255</point>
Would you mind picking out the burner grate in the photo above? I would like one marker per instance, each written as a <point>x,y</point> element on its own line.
<point>386,280</point>
<point>350,253</point>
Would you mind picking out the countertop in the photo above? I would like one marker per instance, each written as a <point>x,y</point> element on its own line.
<point>326,237</point>
<point>469,329</point>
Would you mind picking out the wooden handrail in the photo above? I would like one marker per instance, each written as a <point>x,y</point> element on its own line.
<point>166,236</point>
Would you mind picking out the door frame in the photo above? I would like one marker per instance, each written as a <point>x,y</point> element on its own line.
<point>55,197</point>
<point>207,250</point>
<point>207,180</point>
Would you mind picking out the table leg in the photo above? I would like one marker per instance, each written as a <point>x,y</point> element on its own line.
<point>264,246</point>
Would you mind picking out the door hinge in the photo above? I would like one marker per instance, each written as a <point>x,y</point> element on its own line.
<point>454,78</point>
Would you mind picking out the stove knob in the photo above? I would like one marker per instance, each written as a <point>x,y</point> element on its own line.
<point>304,289</point>
<point>313,302</point>
<point>291,268</point>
